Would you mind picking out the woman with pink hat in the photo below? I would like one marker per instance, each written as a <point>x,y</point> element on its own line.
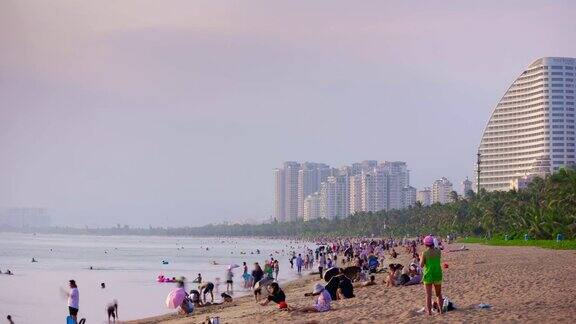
<point>432,269</point>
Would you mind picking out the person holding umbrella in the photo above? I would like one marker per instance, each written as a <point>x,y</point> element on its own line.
<point>177,298</point>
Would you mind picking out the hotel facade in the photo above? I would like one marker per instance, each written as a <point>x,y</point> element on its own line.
<point>531,130</point>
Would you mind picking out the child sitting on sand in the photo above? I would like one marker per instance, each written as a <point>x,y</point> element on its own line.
<point>432,273</point>
<point>275,294</point>
<point>322,303</point>
<point>390,280</point>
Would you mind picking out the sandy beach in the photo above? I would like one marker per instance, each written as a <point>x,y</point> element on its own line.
<point>522,284</point>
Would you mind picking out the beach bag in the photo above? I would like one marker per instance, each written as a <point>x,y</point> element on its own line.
<point>448,305</point>
<point>70,320</point>
<point>190,308</point>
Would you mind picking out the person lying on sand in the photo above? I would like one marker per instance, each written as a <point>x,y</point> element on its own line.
<point>462,248</point>
<point>275,294</point>
<point>322,303</point>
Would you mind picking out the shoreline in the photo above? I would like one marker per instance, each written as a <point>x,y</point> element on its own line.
<point>525,284</point>
<point>132,265</point>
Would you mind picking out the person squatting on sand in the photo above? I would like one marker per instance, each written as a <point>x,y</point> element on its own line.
<point>275,294</point>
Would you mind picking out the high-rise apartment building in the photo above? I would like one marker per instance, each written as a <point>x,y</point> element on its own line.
<point>466,186</point>
<point>381,187</point>
<point>424,197</point>
<point>312,207</point>
<point>365,186</point>
<point>355,194</point>
<point>368,165</point>
<point>279,199</point>
<point>532,128</point>
<point>397,179</point>
<point>368,192</point>
<point>441,190</point>
<point>408,197</point>
<point>334,197</point>
<point>291,170</point>
<point>310,176</point>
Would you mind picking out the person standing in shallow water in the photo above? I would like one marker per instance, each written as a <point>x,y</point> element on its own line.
<point>321,264</point>
<point>432,278</point>
<point>299,263</point>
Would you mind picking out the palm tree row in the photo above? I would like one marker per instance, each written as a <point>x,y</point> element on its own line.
<point>542,210</point>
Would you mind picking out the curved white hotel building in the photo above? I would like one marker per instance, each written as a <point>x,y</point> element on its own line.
<point>531,130</point>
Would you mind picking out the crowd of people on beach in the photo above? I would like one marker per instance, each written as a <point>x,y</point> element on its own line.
<point>342,265</point>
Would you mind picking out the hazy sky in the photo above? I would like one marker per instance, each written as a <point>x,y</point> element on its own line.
<point>175,112</point>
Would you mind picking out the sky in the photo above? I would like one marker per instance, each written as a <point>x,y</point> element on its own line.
<point>175,113</point>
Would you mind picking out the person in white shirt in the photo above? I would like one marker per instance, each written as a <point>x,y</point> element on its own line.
<point>73,300</point>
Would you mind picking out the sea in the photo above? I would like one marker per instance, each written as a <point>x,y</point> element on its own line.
<point>127,265</point>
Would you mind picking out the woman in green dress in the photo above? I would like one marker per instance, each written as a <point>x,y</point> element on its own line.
<point>430,263</point>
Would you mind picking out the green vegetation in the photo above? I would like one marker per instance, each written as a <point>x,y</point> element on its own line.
<point>543,210</point>
<point>547,244</point>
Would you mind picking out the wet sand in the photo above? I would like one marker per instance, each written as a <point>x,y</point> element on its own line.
<point>523,284</point>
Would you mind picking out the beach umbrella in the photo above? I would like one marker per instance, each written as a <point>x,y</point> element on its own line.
<point>331,273</point>
<point>175,297</point>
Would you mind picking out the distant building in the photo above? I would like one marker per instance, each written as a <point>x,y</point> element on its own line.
<point>334,197</point>
<point>312,207</point>
<point>19,217</point>
<point>368,165</point>
<point>397,175</point>
<point>381,186</point>
<point>310,176</point>
<point>355,193</point>
<point>369,192</point>
<point>441,190</point>
<point>532,127</point>
<point>366,186</point>
<point>408,197</point>
<point>291,170</point>
<point>279,199</point>
<point>466,186</point>
<point>424,197</point>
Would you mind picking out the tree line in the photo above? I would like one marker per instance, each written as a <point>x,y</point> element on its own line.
<point>545,208</point>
